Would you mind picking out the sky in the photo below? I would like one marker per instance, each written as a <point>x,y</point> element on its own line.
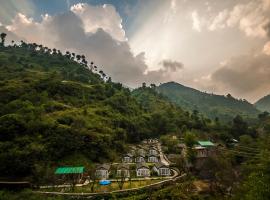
<point>215,46</point>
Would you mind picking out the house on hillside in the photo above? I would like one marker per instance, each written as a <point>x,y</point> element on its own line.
<point>123,170</point>
<point>203,149</point>
<point>142,170</point>
<point>140,158</point>
<point>127,158</point>
<point>153,158</point>
<point>103,171</point>
<point>70,173</point>
<point>153,150</point>
<point>161,169</point>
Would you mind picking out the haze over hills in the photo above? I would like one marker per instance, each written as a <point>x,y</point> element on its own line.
<point>211,105</point>
<point>263,104</point>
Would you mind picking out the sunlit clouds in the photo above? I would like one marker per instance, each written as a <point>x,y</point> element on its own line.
<point>212,45</point>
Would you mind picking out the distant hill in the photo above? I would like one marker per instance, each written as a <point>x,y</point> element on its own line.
<point>223,107</point>
<point>263,104</point>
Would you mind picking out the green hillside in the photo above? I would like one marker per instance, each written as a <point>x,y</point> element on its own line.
<point>57,109</point>
<point>263,104</point>
<point>223,107</point>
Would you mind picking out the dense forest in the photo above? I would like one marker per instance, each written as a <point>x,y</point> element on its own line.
<point>56,107</point>
<point>59,109</point>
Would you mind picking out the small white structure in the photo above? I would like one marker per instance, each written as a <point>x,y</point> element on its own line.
<point>153,151</point>
<point>161,169</point>
<point>123,170</point>
<point>127,158</point>
<point>103,171</point>
<point>153,158</point>
<point>201,152</point>
<point>142,170</point>
<point>140,159</point>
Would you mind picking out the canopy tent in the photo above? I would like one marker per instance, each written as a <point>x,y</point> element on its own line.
<point>69,170</point>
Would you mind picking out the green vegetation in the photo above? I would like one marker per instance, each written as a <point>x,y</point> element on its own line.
<point>211,105</point>
<point>263,104</point>
<point>59,110</point>
<point>5,195</point>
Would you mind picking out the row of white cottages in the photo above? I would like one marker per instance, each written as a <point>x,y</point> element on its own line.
<point>142,156</point>
<point>142,170</point>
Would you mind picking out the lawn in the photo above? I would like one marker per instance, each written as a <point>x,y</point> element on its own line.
<point>98,188</point>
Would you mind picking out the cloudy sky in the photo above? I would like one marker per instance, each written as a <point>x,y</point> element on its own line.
<point>212,45</point>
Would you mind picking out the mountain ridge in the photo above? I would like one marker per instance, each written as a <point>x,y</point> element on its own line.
<point>263,104</point>
<point>212,105</point>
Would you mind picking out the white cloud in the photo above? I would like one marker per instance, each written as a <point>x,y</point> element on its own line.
<point>266,48</point>
<point>95,33</point>
<point>218,22</point>
<point>104,16</point>
<point>245,76</point>
<point>251,18</point>
<point>196,23</point>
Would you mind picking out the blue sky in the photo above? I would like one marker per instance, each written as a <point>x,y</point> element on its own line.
<point>126,8</point>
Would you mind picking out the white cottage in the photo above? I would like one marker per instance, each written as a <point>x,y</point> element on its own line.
<point>153,158</point>
<point>142,170</point>
<point>103,171</point>
<point>123,170</point>
<point>153,151</point>
<point>127,158</point>
<point>140,158</point>
<point>161,169</point>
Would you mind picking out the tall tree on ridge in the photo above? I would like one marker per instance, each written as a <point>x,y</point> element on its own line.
<point>3,37</point>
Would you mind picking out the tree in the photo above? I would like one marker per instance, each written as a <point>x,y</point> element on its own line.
<point>143,85</point>
<point>3,37</point>
<point>152,85</point>
<point>121,178</point>
<point>93,179</point>
<point>190,141</point>
<point>263,116</point>
<point>239,127</point>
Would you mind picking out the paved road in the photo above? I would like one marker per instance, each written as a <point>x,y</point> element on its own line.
<point>163,158</point>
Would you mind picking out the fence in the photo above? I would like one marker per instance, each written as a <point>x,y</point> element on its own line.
<point>119,193</point>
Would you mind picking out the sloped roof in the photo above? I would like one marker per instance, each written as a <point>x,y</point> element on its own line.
<point>152,154</point>
<point>141,165</point>
<point>69,170</point>
<point>128,154</point>
<point>103,166</point>
<point>123,166</point>
<point>159,165</point>
<point>206,143</point>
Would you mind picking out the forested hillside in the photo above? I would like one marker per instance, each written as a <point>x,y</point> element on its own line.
<point>211,105</point>
<point>57,108</point>
<point>263,104</point>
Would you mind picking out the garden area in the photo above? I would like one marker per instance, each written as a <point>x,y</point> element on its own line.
<point>103,188</point>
